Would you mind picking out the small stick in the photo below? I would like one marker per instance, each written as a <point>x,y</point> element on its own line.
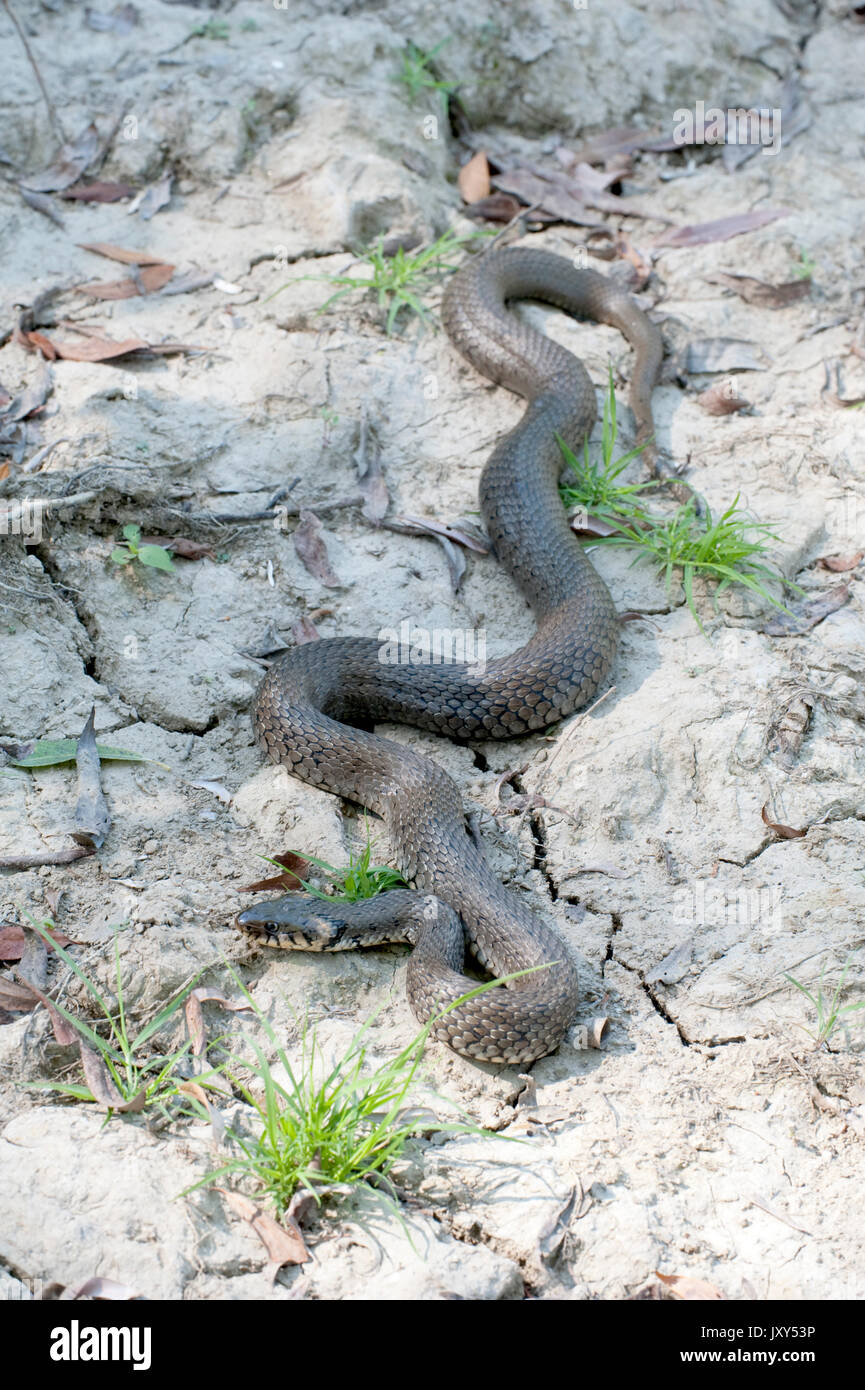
<point>92,821</point>
<point>55,119</point>
<point>49,856</point>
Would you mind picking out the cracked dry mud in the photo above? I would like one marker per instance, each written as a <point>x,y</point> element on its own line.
<point>689,1142</point>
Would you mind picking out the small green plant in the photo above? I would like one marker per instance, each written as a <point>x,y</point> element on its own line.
<point>116,1058</point>
<point>249,26</point>
<point>829,1010</point>
<point>347,1127</point>
<point>596,488</point>
<point>359,879</point>
<point>727,549</point>
<point>211,29</point>
<point>131,549</point>
<point>419,73</point>
<point>805,266</point>
<point>397,280</point>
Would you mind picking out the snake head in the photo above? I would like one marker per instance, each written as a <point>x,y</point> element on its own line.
<point>294,922</point>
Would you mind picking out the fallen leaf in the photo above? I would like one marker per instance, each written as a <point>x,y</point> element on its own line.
<point>182,546</point>
<point>92,821</point>
<point>149,279</point>
<point>498,207</point>
<point>70,163</point>
<point>284,1246</point>
<point>720,355</point>
<point>473,179</point>
<point>43,344</point>
<point>219,791</point>
<point>778,1215</point>
<point>102,1086</point>
<point>461,532</point>
<point>195,280</point>
<point>121,253</point>
<point>839,564</point>
<point>296,871</point>
<point>367,456</point>
<point>195,1017</point>
<point>312,551</point>
<point>19,999</point>
<point>304,631</point>
<point>759,292</point>
<point>32,398</point>
<point>674,966</point>
<point>98,349</point>
<point>721,399</point>
<point>721,229</point>
<point>685,1286</point>
<point>786,832</point>
<point>540,192</point>
<point>217,1123</point>
<point>618,140</point>
<point>99,192</point>
<point>12,941</point>
<point>156,197</point>
<point>40,202</point>
<point>804,615</point>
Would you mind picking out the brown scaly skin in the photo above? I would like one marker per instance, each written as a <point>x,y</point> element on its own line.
<point>306,705</point>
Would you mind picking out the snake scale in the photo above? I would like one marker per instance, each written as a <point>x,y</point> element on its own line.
<point>313,695</point>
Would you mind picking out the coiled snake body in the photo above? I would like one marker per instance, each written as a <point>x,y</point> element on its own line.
<point>310,697</point>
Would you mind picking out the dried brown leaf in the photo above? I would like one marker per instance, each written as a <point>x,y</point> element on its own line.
<point>92,821</point>
<point>839,564</point>
<point>296,871</point>
<point>70,163</point>
<point>100,192</point>
<point>473,179</point>
<point>786,832</point>
<point>312,551</point>
<point>760,292</point>
<point>195,1017</point>
<point>19,999</point>
<point>121,253</point>
<point>12,941</point>
<point>721,399</point>
<point>284,1245</point>
<point>685,1286</point>
<point>721,229</point>
<point>149,279</point>
<point>40,202</point>
<point>804,615</point>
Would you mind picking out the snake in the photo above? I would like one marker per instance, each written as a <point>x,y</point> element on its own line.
<point>318,703</point>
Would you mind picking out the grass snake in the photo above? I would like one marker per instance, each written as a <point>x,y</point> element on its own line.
<point>313,697</point>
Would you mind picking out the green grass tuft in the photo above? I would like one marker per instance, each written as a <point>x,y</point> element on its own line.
<point>399,280</point>
<point>419,73</point>
<point>727,549</point>
<point>829,1010</point>
<point>358,879</point>
<point>344,1127</point>
<point>130,1066</point>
